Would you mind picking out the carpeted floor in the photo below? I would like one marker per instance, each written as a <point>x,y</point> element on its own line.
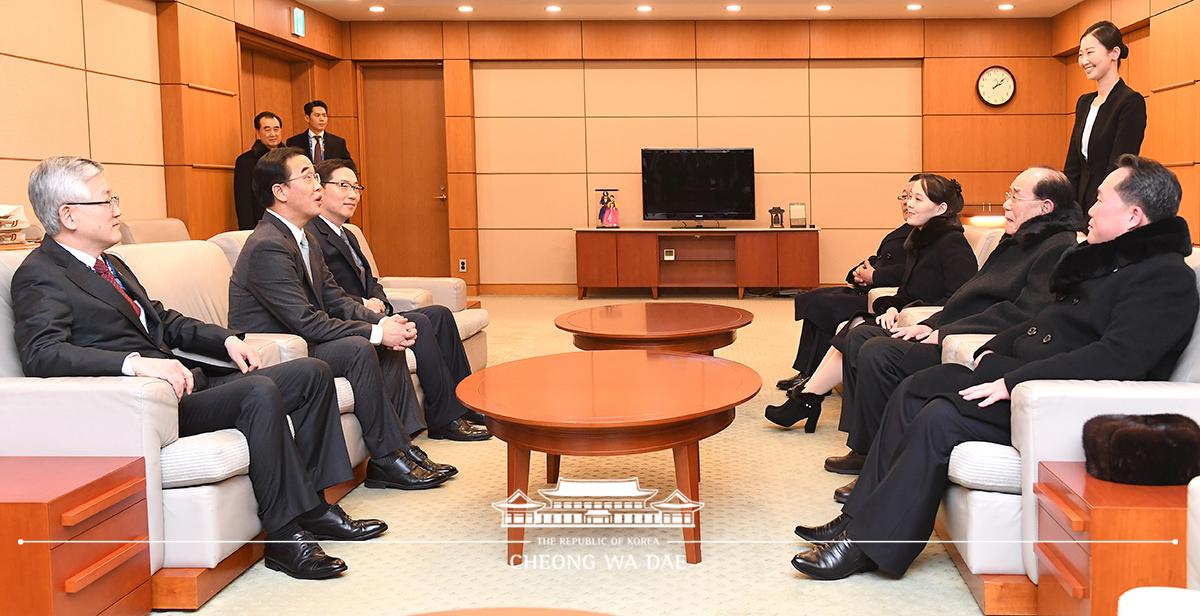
<point>444,548</point>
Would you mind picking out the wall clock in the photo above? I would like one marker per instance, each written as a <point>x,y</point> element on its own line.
<point>996,85</point>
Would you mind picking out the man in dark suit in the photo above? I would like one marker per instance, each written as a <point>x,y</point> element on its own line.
<point>280,284</point>
<point>268,127</point>
<point>316,142</point>
<point>1125,306</point>
<point>80,312</point>
<point>441,359</point>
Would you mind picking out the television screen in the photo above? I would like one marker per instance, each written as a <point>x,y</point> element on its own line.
<point>697,184</point>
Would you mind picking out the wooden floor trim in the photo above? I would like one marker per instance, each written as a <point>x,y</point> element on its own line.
<point>997,595</point>
<point>336,493</point>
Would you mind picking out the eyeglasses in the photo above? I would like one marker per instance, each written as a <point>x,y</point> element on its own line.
<point>113,203</point>
<point>1009,196</point>
<point>344,185</point>
<point>904,196</point>
<point>311,176</point>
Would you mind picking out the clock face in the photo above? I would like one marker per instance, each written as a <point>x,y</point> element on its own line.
<point>996,86</point>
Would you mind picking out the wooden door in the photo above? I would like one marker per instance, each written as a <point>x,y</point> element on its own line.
<point>595,259</point>
<point>757,259</point>
<point>403,165</point>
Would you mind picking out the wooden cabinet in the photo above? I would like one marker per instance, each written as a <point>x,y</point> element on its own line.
<point>83,522</point>
<point>696,258</point>
<point>1098,539</point>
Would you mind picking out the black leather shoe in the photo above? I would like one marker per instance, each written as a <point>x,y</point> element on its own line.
<point>402,473</point>
<point>335,524</point>
<point>798,406</point>
<point>302,558</point>
<point>824,532</point>
<point>790,382</point>
<point>422,458</point>
<point>842,494</point>
<point>474,417</point>
<point>849,464</point>
<point>834,560</point>
<point>461,430</point>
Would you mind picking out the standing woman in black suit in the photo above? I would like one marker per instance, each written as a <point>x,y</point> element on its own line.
<point>1108,122</point>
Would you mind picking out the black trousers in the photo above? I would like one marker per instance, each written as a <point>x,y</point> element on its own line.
<point>285,470</point>
<point>872,368</point>
<point>381,385</point>
<point>441,363</point>
<point>902,483</point>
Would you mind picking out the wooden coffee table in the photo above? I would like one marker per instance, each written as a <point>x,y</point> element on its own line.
<point>608,403</point>
<point>664,326</point>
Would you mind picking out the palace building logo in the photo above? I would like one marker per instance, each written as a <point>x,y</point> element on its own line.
<point>598,503</point>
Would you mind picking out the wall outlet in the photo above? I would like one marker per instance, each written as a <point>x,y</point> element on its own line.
<point>668,254</point>
<point>462,265</point>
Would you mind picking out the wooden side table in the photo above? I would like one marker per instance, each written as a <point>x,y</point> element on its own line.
<point>57,506</point>
<point>1081,572</point>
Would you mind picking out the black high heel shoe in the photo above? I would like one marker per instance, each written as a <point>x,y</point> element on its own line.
<point>799,405</point>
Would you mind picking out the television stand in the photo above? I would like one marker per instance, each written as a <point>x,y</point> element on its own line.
<point>699,225</point>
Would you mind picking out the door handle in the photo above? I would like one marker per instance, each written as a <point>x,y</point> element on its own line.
<point>441,197</point>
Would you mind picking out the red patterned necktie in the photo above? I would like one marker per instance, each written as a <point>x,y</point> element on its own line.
<point>319,149</point>
<point>102,268</point>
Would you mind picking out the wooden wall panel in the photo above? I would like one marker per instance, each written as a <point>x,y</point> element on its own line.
<point>640,89</point>
<point>745,40</point>
<point>57,95</point>
<point>324,34</point>
<point>1092,11</point>
<point>221,8</point>
<point>1136,68</point>
<point>892,38</point>
<point>464,244</point>
<point>189,135</point>
<point>639,40</point>
<point>853,87</point>
<point>528,89</point>
<point>780,144</point>
<point>118,104</point>
<point>532,201</point>
<point>133,53</point>
<point>985,187</point>
<point>1172,129</point>
<point>345,127</point>
<point>395,40</point>
<point>340,90</point>
<point>196,47</point>
<point>526,40</point>
<point>1065,31</point>
<point>460,97</point>
<point>986,38</point>
<point>1130,13</point>
<point>25,25</point>
<point>456,43</point>
<point>202,198</point>
<point>530,145</point>
<point>948,85</point>
<point>1158,6</point>
<point>871,204</point>
<point>1174,47</point>
<point>460,145</point>
<point>752,88</point>
<point>463,202</point>
<point>992,143</point>
<point>866,144</point>
<point>1077,83</point>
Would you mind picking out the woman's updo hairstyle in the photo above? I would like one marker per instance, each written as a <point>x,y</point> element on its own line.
<point>943,190</point>
<point>1109,35</point>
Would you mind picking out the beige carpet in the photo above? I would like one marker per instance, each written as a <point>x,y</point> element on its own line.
<point>444,552</point>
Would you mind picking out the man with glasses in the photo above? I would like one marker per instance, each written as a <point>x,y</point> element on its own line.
<point>441,359</point>
<point>268,127</point>
<point>281,284</point>
<point>81,312</point>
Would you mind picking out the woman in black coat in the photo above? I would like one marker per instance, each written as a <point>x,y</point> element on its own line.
<point>938,261</point>
<point>1125,308</point>
<point>823,309</point>
<point>1108,122</point>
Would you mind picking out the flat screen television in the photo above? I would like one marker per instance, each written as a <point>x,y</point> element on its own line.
<point>698,184</point>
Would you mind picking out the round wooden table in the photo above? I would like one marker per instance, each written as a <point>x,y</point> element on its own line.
<point>608,403</point>
<point>663,326</point>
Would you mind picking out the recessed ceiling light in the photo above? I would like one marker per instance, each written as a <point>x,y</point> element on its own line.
<point>914,7</point>
<point>644,8</point>
<point>733,8</point>
<point>466,9</point>
<point>1005,7</point>
<point>824,7</point>
<point>554,8</point>
<point>376,9</point>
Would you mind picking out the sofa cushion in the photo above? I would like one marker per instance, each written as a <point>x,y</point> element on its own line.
<point>205,458</point>
<point>986,466</point>
<point>1155,600</point>
<point>471,321</point>
<point>344,394</point>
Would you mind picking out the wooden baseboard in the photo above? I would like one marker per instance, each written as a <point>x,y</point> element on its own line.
<point>997,595</point>
<point>527,289</point>
<point>190,588</point>
<point>336,493</point>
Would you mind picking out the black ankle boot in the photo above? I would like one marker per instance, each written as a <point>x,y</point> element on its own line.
<point>799,405</point>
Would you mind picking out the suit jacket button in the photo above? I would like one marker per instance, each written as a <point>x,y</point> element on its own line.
<point>1060,297</point>
<point>1032,331</point>
<point>1047,338</point>
<point>1075,300</point>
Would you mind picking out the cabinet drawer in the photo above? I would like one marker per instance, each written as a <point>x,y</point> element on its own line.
<point>1061,505</point>
<point>136,603</point>
<point>1068,552</point>
<point>89,505</point>
<point>87,578</point>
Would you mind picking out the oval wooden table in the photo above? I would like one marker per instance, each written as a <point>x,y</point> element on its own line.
<point>608,403</point>
<point>664,326</point>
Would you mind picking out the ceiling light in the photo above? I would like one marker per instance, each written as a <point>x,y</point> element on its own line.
<point>644,8</point>
<point>1005,7</point>
<point>824,7</point>
<point>376,9</point>
<point>733,8</point>
<point>466,9</point>
<point>554,8</point>
<point>914,7</point>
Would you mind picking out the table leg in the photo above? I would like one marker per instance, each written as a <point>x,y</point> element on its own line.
<point>518,479</point>
<point>553,461</point>
<point>687,478</point>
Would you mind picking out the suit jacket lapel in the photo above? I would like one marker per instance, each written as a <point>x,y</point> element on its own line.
<point>342,247</point>
<point>135,290</point>
<point>298,257</point>
<point>364,271</point>
<point>91,283</point>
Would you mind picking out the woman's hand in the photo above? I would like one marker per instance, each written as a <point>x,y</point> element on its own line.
<point>987,393</point>
<point>865,274</point>
<point>913,332</point>
<point>887,320</point>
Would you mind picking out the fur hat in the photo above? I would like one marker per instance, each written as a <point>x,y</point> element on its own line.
<point>1153,450</point>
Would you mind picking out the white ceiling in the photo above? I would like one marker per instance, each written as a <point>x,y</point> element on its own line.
<point>486,10</point>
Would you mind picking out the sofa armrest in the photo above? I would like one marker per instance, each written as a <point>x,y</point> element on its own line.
<point>960,348</point>
<point>447,291</point>
<point>1047,425</point>
<point>277,348</point>
<point>879,292</point>
<point>403,300</point>
<point>912,316</point>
